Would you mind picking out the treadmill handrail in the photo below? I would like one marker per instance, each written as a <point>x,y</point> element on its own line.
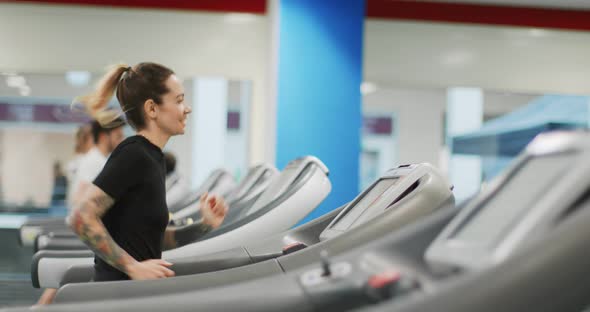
<point>298,182</point>
<point>53,254</point>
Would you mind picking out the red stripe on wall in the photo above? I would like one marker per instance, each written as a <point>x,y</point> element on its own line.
<point>479,14</point>
<point>242,6</point>
<point>386,9</point>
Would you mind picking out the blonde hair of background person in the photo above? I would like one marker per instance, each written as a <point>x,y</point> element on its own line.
<point>152,98</point>
<point>83,139</point>
<point>106,139</point>
<point>82,144</point>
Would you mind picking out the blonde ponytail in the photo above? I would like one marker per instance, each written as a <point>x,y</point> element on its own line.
<point>133,86</point>
<point>95,104</point>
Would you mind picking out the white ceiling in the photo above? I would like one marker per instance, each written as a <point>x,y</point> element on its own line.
<point>563,4</point>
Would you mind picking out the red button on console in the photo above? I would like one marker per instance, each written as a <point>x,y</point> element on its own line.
<point>384,279</point>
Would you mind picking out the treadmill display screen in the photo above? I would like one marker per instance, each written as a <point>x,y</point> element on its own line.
<point>372,200</point>
<point>512,201</point>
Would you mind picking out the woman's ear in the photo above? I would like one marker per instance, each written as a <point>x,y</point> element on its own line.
<point>149,107</point>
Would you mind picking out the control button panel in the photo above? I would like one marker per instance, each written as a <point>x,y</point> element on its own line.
<point>316,276</point>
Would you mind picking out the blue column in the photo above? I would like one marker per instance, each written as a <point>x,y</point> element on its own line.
<point>319,72</point>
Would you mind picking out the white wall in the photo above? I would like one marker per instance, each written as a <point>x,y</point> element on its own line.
<point>49,85</point>
<point>27,163</point>
<point>235,145</point>
<point>386,148</point>
<point>239,99</point>
<point>514,59</point>
<point>419,121</point>
<point>407,57</point>
<point>55,39</point>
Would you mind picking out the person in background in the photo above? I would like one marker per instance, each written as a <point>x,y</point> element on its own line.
<point>176,186</point>
<point>60,185</point>
<point>105,139</point>
<point>83,144</point>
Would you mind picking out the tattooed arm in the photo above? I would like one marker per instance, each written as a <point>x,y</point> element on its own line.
<point>85,220</point>
<point>178,236</point>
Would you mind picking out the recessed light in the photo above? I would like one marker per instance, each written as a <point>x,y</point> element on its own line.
<point>15,81</point>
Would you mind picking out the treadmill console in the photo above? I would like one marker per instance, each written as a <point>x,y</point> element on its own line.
<point>494,222</point>
<point>390,188</point>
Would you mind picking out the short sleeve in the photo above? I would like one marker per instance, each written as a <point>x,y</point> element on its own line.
<point>122,171</point>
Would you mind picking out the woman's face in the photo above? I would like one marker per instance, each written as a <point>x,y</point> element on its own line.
<point>172,114</point>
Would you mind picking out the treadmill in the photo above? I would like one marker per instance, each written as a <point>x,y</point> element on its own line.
<point>290,196</point>
<point>218,181</point>
<point>293,194</point>
<point>551,274</point>
<point>401,196</point>
<point>253,184</point>
<point>538,206</point>
<point>521,245</point>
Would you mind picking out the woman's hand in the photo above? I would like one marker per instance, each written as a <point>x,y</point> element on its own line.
<point>149,269</point>
<point>213,210</point>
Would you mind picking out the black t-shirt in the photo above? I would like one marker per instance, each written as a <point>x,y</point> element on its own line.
<point>134,176</point>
